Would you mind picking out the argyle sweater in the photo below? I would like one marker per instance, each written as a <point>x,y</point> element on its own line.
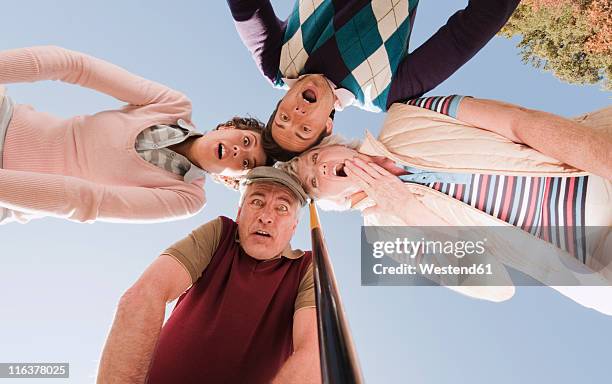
<point>362,45</point>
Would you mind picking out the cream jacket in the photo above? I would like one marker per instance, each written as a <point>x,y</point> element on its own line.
<point>421,138</point>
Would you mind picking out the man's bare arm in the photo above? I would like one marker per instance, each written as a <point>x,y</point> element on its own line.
<point>304,365</point>
<point>560,138</point>
<point>138,321</point>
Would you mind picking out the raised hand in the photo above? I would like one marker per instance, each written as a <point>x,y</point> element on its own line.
<point>390,195</point>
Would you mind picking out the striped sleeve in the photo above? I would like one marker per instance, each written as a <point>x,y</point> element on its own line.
<point>447,105</point>
<point>551,208</point>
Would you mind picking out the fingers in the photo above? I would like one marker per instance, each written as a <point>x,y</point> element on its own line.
<point>368,176</point>
<point>358,172</point>
<point>367,168</point>
<point>357,179</point>
<point>381,170</point>
<point>372,169</point>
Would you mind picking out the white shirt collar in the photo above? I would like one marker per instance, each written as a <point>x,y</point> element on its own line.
<point>344,97</point>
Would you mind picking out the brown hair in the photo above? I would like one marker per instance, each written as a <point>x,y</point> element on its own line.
<point>245,124</point>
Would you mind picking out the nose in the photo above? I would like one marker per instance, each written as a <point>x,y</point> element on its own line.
<point>266,215</point>
<point>236,150</point>
<point>301,107</point>
<point>323,169</point>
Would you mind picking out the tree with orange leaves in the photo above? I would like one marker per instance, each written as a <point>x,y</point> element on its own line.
<point>572,39</point>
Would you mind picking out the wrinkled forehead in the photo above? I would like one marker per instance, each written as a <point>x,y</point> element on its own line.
<point>302,167</point>
<point>271,189</point>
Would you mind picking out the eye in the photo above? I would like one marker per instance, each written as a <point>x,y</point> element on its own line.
<point>257,203</point>
<point>315,156</point>
<point>284,117</point>
<point>313,182</point>
<point>245,164</point>
<point>283,208</point>
<point>246,141</point>
<point>306,129</point>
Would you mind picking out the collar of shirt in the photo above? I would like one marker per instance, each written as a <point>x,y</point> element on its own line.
<point>6,112</point>
<point>344,97</point>
<point>288,252</point>
<point>421,176</point>
<point>156,143</point>
<point>194,173</point>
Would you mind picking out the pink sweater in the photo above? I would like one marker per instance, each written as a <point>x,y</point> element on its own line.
<point>86,168</point>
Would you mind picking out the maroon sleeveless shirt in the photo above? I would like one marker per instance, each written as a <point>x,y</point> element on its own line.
<point>234,325</point>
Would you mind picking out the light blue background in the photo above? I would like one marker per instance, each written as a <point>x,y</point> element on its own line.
<point>60,281</point>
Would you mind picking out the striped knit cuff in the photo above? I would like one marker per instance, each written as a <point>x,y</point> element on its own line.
<point>447,105</point>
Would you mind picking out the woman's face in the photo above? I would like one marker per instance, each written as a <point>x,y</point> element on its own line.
<point>232,152</point>
<point>321,172</point>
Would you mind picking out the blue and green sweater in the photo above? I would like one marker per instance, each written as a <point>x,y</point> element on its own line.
<point>363,45</point>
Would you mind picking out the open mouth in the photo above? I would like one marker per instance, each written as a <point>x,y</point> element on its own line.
<point>220,151</point>
<point>262,233</point>
<point>339,170</point>
<point>310,96</point>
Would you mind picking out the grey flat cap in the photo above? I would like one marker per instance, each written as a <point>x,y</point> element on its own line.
<point>275,175</point>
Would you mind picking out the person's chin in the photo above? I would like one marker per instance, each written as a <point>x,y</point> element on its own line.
<point>259,250</point>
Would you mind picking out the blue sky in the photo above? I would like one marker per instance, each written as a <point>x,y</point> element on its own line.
<point>60,281</point>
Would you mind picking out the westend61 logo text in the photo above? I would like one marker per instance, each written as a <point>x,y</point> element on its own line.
<point>412,248</point>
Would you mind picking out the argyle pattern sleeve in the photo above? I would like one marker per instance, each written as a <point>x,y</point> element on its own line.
<point>363,45</point>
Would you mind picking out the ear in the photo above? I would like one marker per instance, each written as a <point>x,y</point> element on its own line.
<point>329,125</point>
<point>238,214</point>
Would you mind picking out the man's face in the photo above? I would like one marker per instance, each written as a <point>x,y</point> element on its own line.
<point>303,114</point>
<point>267,219</point>
<point>321,172</point>
<point>229,151</point>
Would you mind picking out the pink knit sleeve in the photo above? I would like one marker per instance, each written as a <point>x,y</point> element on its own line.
<point>80,200</point>
<point>55,63</point>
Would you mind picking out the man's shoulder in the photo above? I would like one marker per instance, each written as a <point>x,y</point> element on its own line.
<point>226,221</point>
<point>219,220</point>
<point>214,228</point>
<point>306,262</point>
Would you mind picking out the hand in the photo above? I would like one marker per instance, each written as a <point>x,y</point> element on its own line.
<point>387,191</point>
